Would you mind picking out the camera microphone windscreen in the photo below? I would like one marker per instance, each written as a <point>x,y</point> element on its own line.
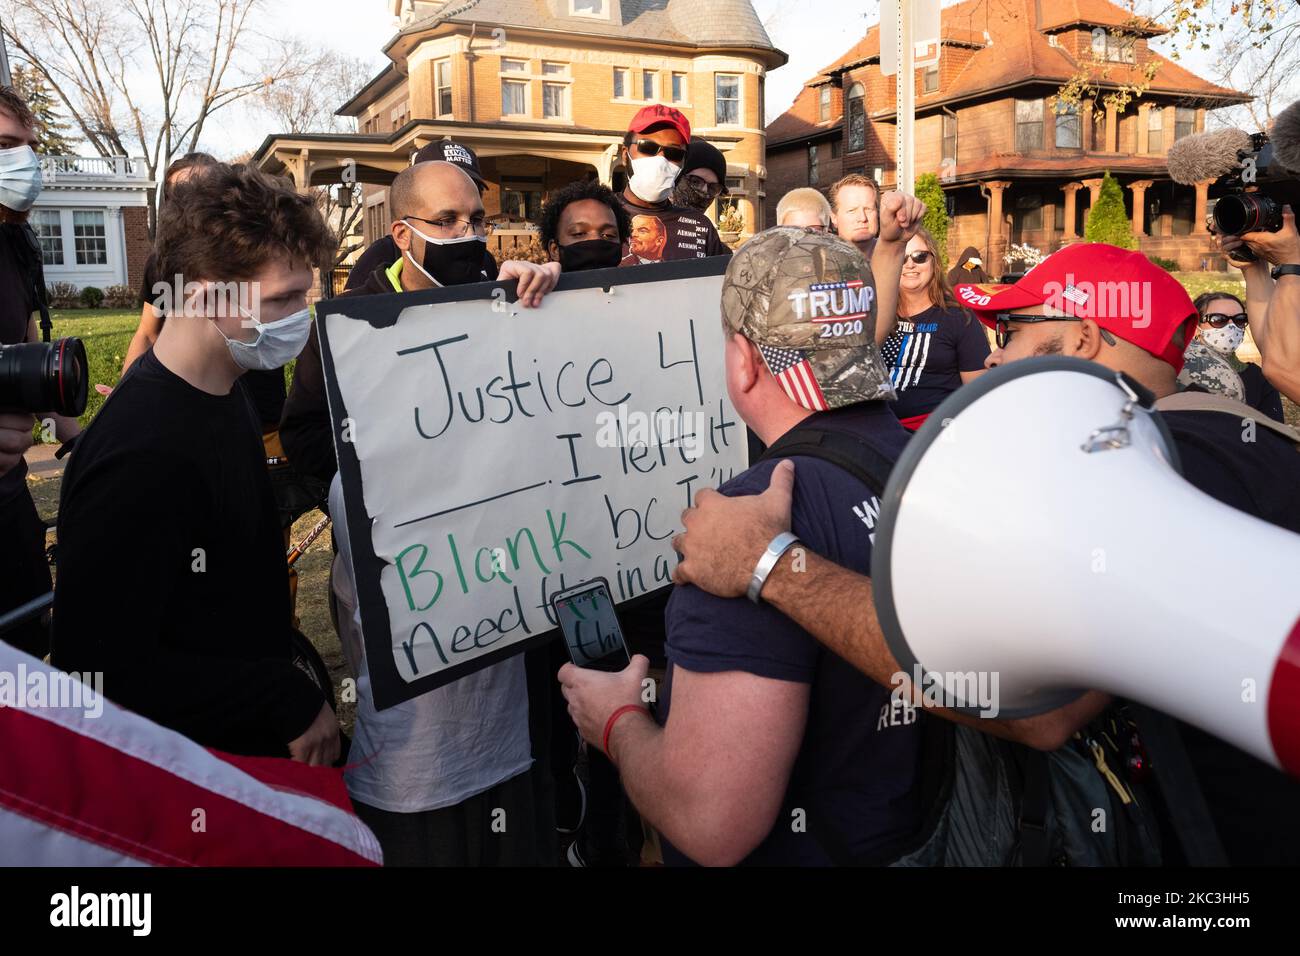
<point>1202,156</point>
<point>1285,138</point>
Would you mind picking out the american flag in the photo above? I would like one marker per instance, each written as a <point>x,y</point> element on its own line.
<point>795,374</point>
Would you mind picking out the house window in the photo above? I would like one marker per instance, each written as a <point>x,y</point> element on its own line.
<point>949,137</point>
<point>1184,122</point>
<point>1112,47</point>
<point>514,66</point>
<point>726,88</point>
<point>930,80</point>
<point>90,238</point>
<point>522,201</point>
<point>824,104</point>
<point>857,119</point>
<point>555,69</point>
<point>812,164</point>
<point>555,99</point>
<point>1029,125</point>
<point>1069,135</point>
<point>1156,130</point>
<point>594,9</point>
<point>514,98</point>
<point>647,85</point>
<point>837,145</point>
<point>679,87</point>
<point>442,86</point>
<point>49,232</point>
<point>621,82</point>
<point>1029,214</point>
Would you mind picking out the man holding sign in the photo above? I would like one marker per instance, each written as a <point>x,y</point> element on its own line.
<point>759,752</point>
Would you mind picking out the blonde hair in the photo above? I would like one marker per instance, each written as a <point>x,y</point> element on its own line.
<point>804,199</point>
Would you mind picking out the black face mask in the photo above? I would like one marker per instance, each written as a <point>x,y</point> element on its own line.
<point>685,193</point>
<point>590,254</point>
<point>454,263</point>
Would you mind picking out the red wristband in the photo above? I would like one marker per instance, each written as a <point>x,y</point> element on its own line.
<point>613,719</point>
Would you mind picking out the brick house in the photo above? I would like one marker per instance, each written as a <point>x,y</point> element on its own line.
<point>542,90</point>
<point>92,220</point>
<point>1012,169</point>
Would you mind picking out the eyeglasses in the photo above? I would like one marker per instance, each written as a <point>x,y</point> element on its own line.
<point>703,185</point>
<point>452,228</point>
<point>1221,321</point>
<point>648,147</point>
<point>1003,332</point>
<point>920,257</point>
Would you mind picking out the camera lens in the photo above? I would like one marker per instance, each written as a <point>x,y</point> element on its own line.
<point>44,377</point>
<point>1247,212</point>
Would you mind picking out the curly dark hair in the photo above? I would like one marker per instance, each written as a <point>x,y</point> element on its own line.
<point>12,102</point>
<point>575,192</point>
<point>188,161</point>
<point>228,223</point>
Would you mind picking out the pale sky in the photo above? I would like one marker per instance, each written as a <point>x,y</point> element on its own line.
<point>812,32</point>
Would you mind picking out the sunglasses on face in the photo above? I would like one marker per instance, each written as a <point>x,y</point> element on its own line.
<point>702,185</point>
<point>1003,331</point>
<point>1221,321</point>
<point>648,147</point>
<point>919,258</point>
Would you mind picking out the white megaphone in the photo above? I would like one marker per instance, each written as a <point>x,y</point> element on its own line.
<point>1037,532</point>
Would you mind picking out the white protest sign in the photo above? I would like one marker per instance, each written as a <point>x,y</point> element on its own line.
<point>493,456</point>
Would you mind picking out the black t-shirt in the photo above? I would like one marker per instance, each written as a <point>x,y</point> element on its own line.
<point>856,774</point>
<point>265,389</point>
<point>172,576</point>
<point>383,252</point>
<point>667,232</point>
<point>1253,804</point>
<point>926,355</point>
<point>17,303</point>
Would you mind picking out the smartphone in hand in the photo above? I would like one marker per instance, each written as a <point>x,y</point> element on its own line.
<point>590,626</point>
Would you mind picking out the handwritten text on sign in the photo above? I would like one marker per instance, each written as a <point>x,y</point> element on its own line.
<point>505,455</point>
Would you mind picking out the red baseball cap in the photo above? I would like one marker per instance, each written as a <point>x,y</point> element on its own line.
<point>660,115</point>
<point>1123,291</point>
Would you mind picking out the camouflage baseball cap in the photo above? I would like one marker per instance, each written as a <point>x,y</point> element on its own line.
<point>808,301</point>
<point>1207,368</point>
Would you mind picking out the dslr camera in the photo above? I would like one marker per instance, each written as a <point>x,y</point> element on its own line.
<point>40,377</point>
<point>1256,191</point>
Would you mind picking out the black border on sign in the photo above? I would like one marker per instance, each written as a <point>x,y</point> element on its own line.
<point>382,311</point>
<point>901,475</point>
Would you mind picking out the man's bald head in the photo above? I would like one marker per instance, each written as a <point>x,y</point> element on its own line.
<point>431,189</point>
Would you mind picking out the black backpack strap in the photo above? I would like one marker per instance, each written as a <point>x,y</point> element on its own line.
<point>850,453</point>
<point>1035,804</point>
<point>1189,815</point>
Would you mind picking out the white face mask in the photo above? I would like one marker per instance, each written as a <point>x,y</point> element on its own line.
<point>1226,340</point>
<point>277,342</point>
<point>653,177</point>
<point>20,178</point>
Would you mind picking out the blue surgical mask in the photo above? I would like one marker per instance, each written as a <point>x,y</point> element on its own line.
<point>20,178</point>
<point>277,342</point>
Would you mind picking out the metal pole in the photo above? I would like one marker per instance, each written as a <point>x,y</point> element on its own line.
<point>5,78</point>
<point>906,101</point>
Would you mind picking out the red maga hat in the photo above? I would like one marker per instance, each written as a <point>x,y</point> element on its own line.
<point>1122,291</point>
<point>660,115</point>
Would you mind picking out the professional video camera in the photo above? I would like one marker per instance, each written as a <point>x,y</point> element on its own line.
<point>44,377</point>
<point>1258,174</point>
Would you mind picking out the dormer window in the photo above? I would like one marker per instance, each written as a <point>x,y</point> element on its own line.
<point>591,9</point>
<point>1112,47</point>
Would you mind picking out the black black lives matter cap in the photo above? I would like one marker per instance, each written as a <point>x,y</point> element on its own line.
<point>448,151</point>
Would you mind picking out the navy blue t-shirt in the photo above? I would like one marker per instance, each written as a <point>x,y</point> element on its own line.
<point>926,355</point>
<point>856,774</point>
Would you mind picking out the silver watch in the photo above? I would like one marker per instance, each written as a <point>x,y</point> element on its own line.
<point>778,546</point>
